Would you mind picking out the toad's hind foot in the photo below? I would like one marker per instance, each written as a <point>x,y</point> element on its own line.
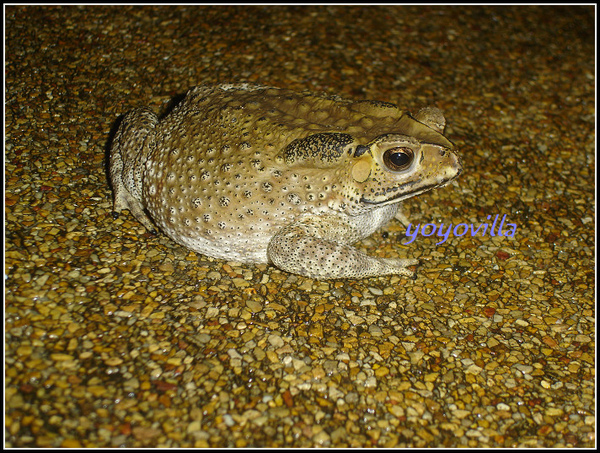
<point>293,251</point>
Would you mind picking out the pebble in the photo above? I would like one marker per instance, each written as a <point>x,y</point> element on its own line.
<point>276,341</point>
<point>254,306</point>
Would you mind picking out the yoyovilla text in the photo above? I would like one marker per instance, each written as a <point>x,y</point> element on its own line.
<point>429,229</point>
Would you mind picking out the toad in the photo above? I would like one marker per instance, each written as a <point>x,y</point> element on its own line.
<point>257,174</point>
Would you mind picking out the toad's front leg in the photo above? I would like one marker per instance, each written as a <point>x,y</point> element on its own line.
<point>319,247</point>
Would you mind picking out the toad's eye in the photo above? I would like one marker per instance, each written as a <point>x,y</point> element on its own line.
<point>398,159</point>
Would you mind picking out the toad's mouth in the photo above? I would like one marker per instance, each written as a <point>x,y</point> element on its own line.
<point>404,196</point>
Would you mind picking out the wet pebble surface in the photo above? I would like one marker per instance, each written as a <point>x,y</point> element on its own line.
<point>118,338</point>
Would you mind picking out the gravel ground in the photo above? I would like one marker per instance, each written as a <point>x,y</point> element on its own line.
<point>115,337</point>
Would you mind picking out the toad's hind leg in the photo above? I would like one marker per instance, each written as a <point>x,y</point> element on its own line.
<point>128,154</point>
<point>320,248</point>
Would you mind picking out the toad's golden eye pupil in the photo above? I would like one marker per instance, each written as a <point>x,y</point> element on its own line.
<point>398,159</point>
